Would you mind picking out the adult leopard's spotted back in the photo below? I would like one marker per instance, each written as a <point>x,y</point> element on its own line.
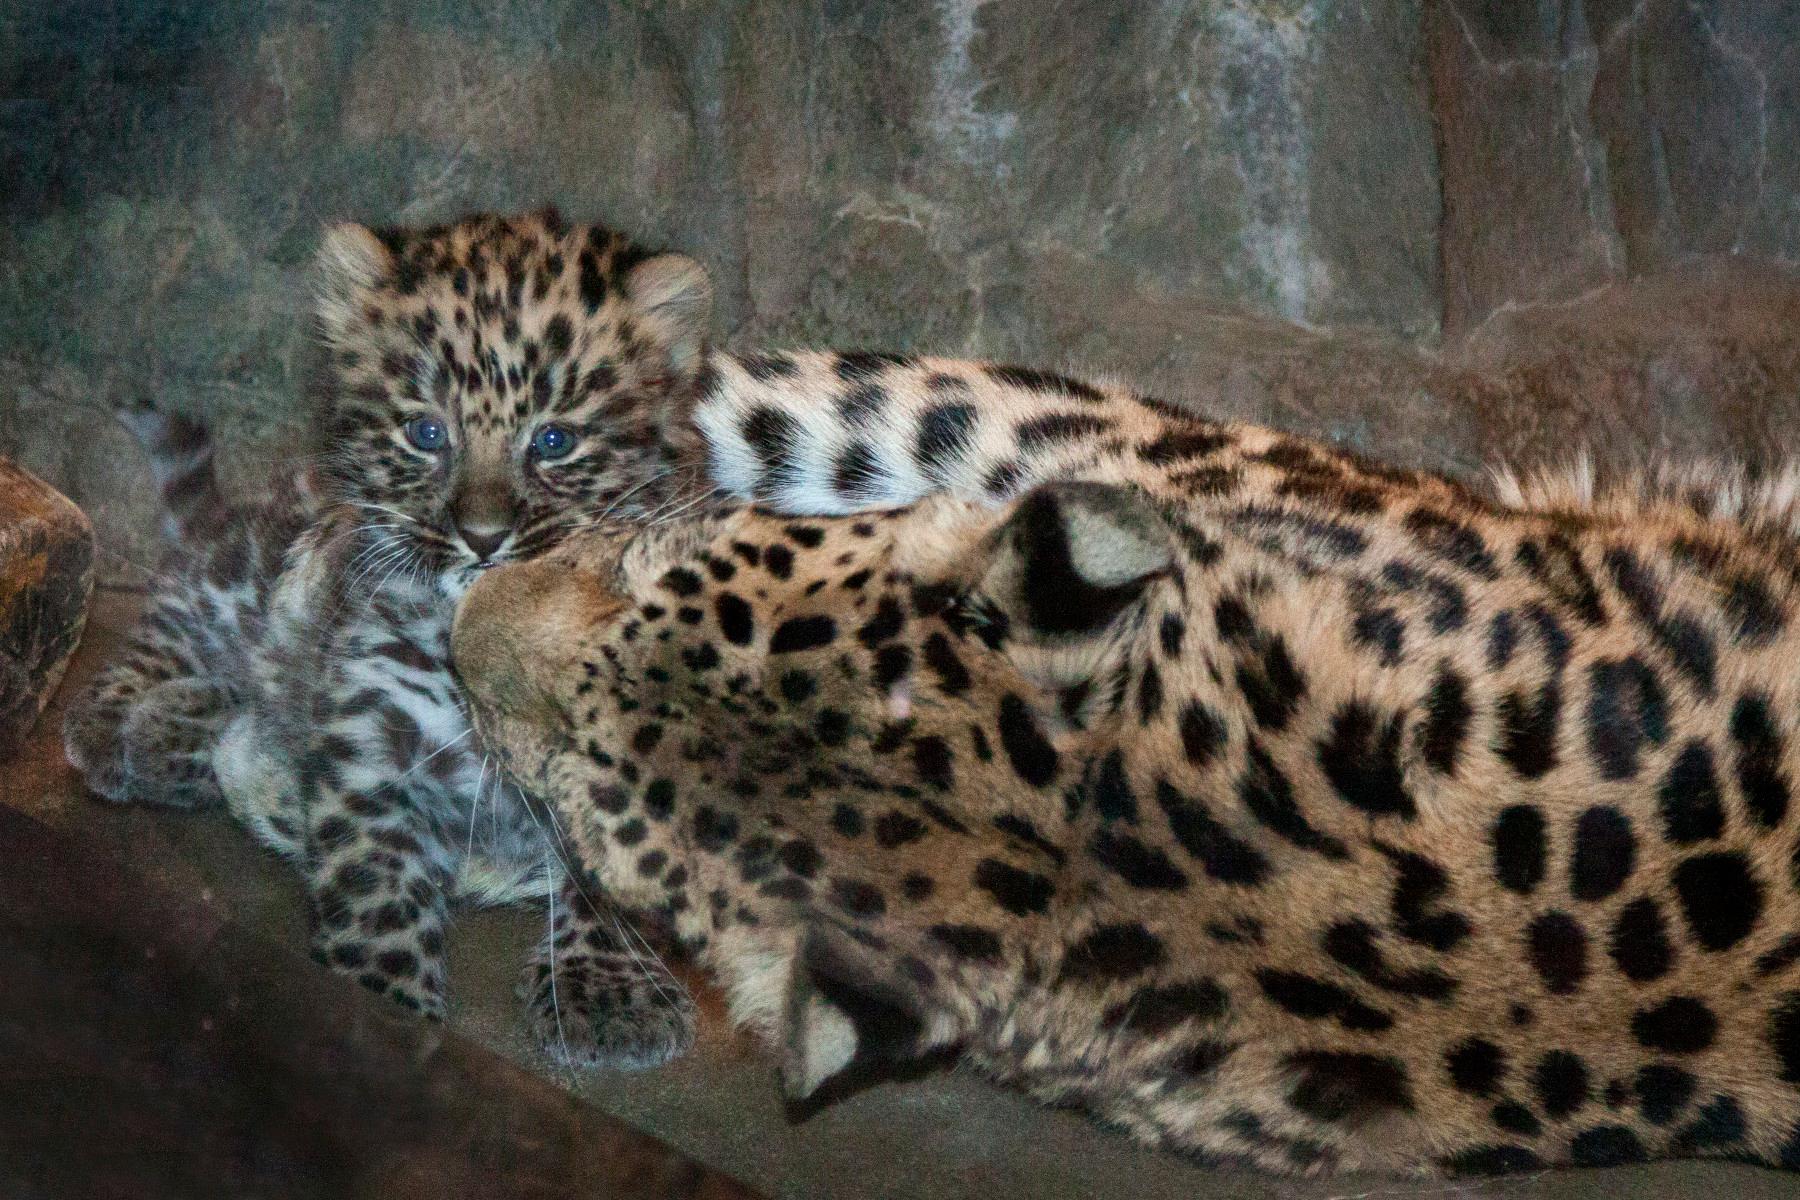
<point>1277,806</point>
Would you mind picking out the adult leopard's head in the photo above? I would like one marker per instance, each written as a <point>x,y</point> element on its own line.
<point>945,649</point>
<point>489,386</point>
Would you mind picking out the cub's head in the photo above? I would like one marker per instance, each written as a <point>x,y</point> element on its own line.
<point>944,650</point>
<point>491,385</point>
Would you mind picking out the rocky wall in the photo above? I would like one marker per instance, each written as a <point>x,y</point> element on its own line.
<point>1438,230</point>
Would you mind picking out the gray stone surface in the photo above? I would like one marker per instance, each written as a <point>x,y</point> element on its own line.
<point>909,174</point>
<point>1273,207</point>
<point>1587,141</point>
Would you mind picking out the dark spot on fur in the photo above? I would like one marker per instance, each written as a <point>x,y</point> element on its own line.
<point>1606,1146</point>
<point>945,433</point>
<point>1720,1122</point>
<point>1519,848</point>
<point>735,621</point>
<point>1037,432</point>
<point>932,759</point>
<point>1345,1087</point>
<point>1030,753</point>
<point>1153,1011</point>
<point>858,897</point>
<point>1017,891</point>
<point>1759,756</point>
<point>1605,853</point>
<point>1516,1118</point>
<point>1476,1066</point>
<point>1112,952</point>
<point>1688,798</point>
<point>1269,796</point>
<point>1720,897</point>
<point>1110,791</point>
<point>1662,1092</point>
<point>1316,999</point>
<point>714,830</point>
<point>797,634</point>
<point>971,942</point>
<point>1528,730</point>
<point>1418,886</point>
<point>1272,684</point>
<point>1557,947</point>
<point>1181,444</point>
<point>1679,1025</point>
<point>1354,945</point>
<point>856,472</point>
<point>1046,382</point>
<point>1202,733</point>
<point>1138,865</point>
<point>1452,541</point>
<point>1446,724</point>
<point>1221,854</point>
<point>1561,1082</point>
<point>1361,758</point>
<point>1784,1036</point>
<point>1640,942</point>
<point>895,828</point>
<point>1626,710</point>
<point>774,438</point>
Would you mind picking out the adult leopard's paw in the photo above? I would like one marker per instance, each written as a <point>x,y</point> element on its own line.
<point>611,1011</point>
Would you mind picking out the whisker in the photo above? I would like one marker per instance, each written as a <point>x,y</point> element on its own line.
<point>555,1002</point>
<point>416,767</point>
<point>622,927</point>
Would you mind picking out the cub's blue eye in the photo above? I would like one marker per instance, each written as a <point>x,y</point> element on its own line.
<point>552,442</point>
<point>427,433</point>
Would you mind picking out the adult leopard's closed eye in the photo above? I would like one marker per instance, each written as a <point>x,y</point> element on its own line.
<point>1273,808</point>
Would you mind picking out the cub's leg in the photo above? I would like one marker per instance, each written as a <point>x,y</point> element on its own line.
<point>401,813</point>
<point>144,730</point>
<point>596,992</point>
<point>376,876</point>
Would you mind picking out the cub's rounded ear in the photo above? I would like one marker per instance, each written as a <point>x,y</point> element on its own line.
<point>674,293</point>
<point>1073,556</point>
<point>351,259</point>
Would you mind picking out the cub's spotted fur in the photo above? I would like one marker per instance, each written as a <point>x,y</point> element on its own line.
<point>487,387</point>
<point>1276,806</point>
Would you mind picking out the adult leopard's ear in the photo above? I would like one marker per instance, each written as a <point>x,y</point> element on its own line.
<point>1064,574</point>
<point>851,1019</point>
<point>1072,557</point>
<point>674,295</point>
<point>352,260</point>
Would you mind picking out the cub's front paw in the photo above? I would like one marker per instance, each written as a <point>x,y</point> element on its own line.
<point>613,1011</point>
<point>395,973</point>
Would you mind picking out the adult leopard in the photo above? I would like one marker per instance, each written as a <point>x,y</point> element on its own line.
<point>1274,805</point>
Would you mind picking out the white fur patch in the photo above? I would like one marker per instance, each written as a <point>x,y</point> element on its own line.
<point>1714,489</point>
<point>824,1044</point>
<point>254,777</point>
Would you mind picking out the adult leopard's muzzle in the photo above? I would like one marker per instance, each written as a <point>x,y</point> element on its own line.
<point>517,644</point>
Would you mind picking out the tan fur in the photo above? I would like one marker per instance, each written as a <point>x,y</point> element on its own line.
<point>1272,805</point>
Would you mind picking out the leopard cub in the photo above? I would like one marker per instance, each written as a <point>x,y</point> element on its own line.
<point>485,389</point>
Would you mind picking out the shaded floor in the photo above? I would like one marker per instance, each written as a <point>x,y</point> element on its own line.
<point>948,1136</point>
